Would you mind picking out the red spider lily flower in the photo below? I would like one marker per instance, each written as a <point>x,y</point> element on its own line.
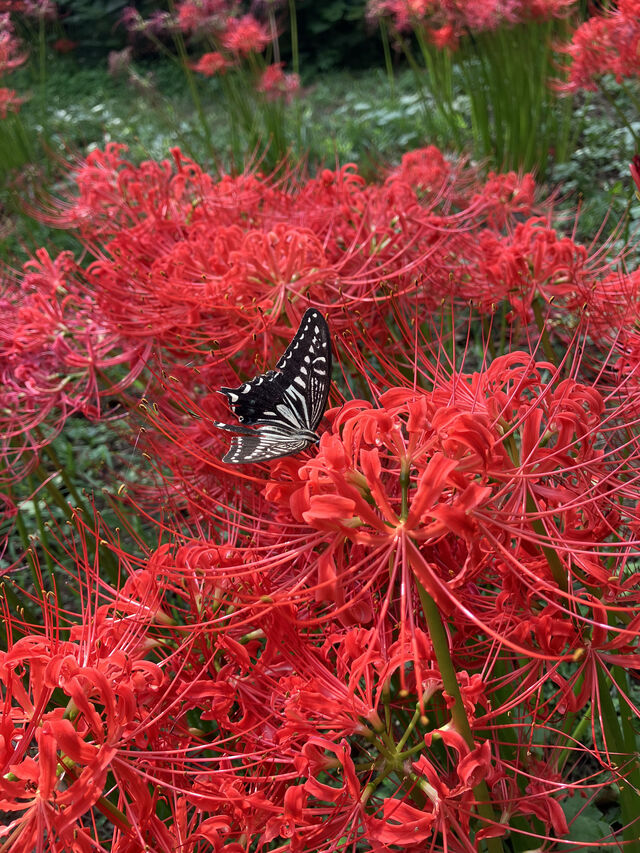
<point>10,58</point>
<point>77,712</point>
<point>507,195</point>
<point>245,35</point>
<point>68,775</point>
<point>275,84</point>
<point>359,488</point>
<point>211,63</point>
<point>43,9</point>
<point>204,16</point>
<point>532,263</point>
<point>9,102</point>
<point>444,37</point>
<point>457,19</point>
<point>64,45</point>
<point>54,349</point>
<point>605,44</point>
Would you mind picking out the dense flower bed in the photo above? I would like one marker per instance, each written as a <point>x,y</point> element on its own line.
<point>418,635</point>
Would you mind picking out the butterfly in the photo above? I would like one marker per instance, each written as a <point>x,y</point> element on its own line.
<point>286,404</point>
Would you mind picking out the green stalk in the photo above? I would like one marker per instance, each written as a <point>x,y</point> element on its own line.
<point>295,53</point>
<point>41,528</point>
<point>576,735</point>
<point>440,642</point>
<point>544,335</point>
<point>28,549</point>
<point>620,738</point>
<point>104,806</point>
<point>193,89</point>
<point>20,604</point>
<point>405,479</point>
<point>42,47</point>
<point>614,106</point>
<point>437,64</point>
<point>384,35</point>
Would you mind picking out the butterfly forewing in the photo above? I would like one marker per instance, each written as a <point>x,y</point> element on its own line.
<point>306,364</point>
<point>286,405</point>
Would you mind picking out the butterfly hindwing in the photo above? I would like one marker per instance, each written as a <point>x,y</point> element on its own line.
<point>259,447</point>
<point>286,404</point>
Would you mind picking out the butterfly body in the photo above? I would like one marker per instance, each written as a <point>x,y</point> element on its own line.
<point>284,406</point>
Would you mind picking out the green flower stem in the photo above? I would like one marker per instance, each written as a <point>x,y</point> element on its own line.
<point>620,739</point>
<point>544,335</point>
<point>555,563</point>
<point>295,52</point>
<point>388,64</point>
<point>440,642</point>
<point>41,529</point>
<point>412,724</point>
<point>621,115</point>
<point>438,65</point>
<point>558,571</point>
<point>405,479</point>
<point>193,89</point>
<point>576,735</point>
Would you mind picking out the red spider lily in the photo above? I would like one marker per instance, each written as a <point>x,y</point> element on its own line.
<point>275,84</point>
<point>417,485</point>
<point>10,58</point>
<point>180,246</point>
<point>56,353</point>
<point>56,757</point>
<point>186,264</point>
<point>390,640</point>
<point>10,102</point>
<point>605,44</point>
<point>210,64</point>
<point>204,16</point>
<point>445,21</point>
<point>245,35</point>
<point>40,9</point>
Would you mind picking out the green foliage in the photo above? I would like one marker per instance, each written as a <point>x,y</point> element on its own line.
<point>334,34</point>
<point>493,93</point>
<point>597,174</point>
<point>95,24</point>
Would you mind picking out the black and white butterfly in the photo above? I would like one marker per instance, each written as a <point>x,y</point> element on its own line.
<point>286,404</point>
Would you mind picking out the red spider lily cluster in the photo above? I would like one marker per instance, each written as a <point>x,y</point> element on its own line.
<point>12,56</point>
<point>444,22</point>
<point>608,43</point>
<point>417,636</point>
<point>233,38</point>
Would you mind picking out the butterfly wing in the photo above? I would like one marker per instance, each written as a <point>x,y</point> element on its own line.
<point>256,400</point>
<point>306,367</point>
<point>295,394</point>
<point>261,446</point>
